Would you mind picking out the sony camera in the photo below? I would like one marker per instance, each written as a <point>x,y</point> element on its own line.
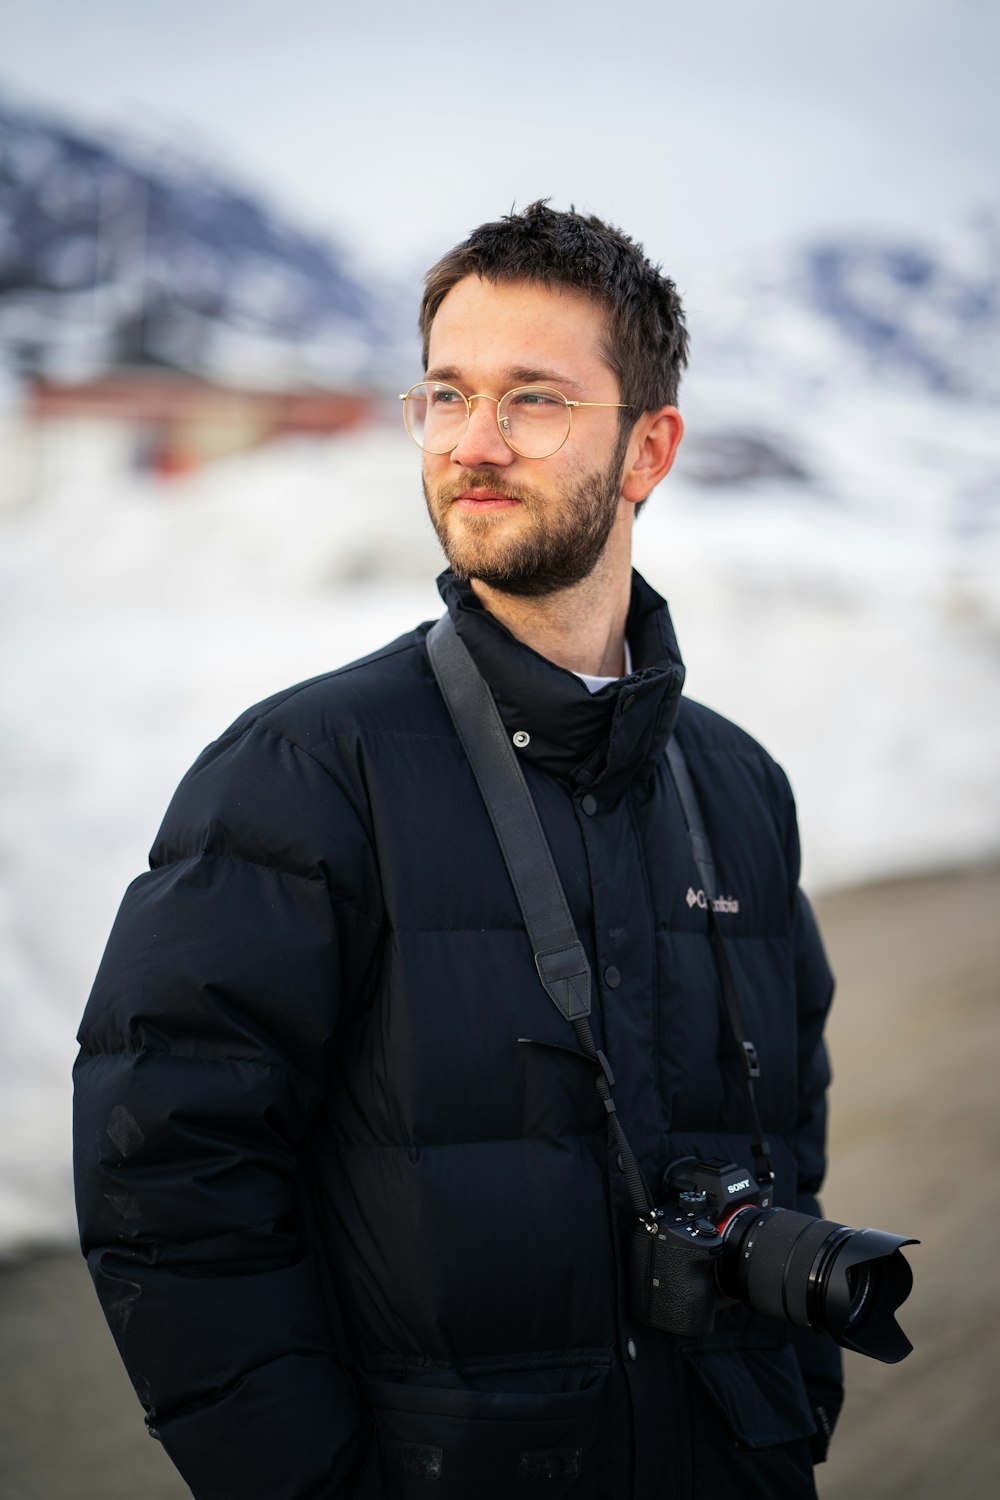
<point>717,1238</point>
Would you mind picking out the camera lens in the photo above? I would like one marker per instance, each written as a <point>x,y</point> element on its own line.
<point>813,1273</point>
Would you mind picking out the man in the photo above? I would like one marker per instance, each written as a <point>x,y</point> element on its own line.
<point>354,1234</point>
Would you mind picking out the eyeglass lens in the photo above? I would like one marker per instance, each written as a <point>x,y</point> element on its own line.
<point>533,419</point>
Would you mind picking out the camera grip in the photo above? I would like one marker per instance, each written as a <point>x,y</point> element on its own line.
<point>672,1283</point>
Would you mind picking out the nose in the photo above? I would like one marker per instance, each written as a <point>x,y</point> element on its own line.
<point>481,441</point>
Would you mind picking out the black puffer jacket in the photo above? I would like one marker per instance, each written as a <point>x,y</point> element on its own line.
<point>352,1236</point>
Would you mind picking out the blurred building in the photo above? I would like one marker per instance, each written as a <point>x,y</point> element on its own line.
<point>154,316</point>
<point>171,421</point>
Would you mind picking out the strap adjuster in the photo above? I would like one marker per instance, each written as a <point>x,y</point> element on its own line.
<point>751,1065</point>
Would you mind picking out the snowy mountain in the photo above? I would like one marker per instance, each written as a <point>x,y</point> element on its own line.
<point>856,383</point>
<point>929,313</point>
<point>112,254</point>
<point>917,316</point>
<point>807,358</point>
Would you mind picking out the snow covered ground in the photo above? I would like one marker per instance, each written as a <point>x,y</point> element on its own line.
<point>849,617</point>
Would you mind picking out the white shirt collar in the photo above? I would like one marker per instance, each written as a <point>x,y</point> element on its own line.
<point>594,684</point>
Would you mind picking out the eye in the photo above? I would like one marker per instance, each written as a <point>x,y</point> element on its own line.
<point>443,395</point>
<point>535,399</point>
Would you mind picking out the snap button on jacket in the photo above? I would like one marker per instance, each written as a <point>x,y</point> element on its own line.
<point>347,1196</point>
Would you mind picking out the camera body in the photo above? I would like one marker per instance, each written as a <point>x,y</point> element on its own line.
<point>677,1249</point>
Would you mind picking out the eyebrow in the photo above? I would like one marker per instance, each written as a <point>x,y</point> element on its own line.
<point>516,374</point>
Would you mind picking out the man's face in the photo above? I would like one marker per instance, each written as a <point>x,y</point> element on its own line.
<point>524,526</point>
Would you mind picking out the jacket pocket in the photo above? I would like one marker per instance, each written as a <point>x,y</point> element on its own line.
<point>751,1424</point>
<point>491,1445</point>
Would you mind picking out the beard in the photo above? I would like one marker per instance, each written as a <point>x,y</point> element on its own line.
<point>562,544</point>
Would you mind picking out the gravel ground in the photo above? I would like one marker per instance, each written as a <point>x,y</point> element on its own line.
<point>915,1132</point>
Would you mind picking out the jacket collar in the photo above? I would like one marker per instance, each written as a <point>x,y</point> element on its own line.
<point>605,739</point>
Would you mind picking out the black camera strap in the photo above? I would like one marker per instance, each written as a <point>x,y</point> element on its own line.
<point>559,955</point>
<point>701,851</point>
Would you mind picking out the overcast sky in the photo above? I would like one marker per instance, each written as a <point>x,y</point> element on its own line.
<point>701,129</point>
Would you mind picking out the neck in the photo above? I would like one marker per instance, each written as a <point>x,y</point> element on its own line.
<point>580,628</point>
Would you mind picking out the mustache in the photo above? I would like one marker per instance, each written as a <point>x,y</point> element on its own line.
<point>484,479</point>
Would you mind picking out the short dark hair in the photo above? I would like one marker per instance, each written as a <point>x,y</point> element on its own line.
<point>646,340</point>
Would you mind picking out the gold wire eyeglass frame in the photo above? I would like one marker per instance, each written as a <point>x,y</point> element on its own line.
<point>482,396</point>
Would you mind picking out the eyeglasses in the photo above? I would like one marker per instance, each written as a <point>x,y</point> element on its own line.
<point>534,420</point>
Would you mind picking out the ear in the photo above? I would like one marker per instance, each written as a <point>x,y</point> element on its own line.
<point>651,452</point>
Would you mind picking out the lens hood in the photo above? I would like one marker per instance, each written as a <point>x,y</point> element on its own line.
<point>858,1283</point>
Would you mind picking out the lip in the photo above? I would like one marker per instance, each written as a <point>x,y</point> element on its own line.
<point>480,500</point>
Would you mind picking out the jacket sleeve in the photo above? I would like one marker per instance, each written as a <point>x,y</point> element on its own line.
<point>819,1357</point>
<point>205,1048</point>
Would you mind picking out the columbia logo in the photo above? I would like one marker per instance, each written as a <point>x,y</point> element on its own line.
<point>726,904</point>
